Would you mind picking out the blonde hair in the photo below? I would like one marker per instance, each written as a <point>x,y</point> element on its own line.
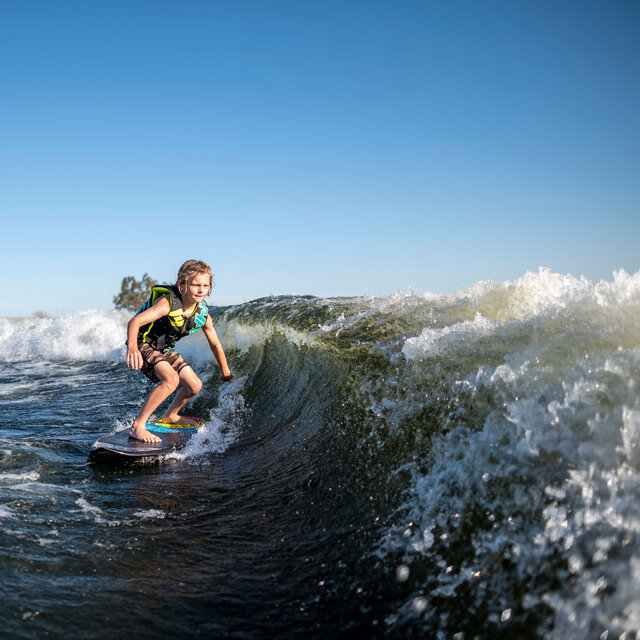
<point>192,267</point>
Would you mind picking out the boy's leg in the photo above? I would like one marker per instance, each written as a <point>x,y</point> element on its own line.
<point>190,386</point>
<point>169,381</point>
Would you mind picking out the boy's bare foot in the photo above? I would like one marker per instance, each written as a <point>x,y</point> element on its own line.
<point>180,420</point>
<point>143,434</point>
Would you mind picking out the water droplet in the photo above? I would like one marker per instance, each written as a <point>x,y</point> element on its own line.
<point>30,614</point>
<point>575,564</point>
<point>506,614</point>
<point>402,573</point>
<point>419,604</point>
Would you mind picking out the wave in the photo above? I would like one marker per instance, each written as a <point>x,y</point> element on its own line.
<point>490,436</point>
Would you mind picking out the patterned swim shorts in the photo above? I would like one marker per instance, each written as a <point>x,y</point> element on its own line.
<point>153,356</point>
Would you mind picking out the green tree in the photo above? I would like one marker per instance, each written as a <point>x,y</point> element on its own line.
<point>134,293</point>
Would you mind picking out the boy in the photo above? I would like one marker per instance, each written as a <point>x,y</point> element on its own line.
<point>172,312</point>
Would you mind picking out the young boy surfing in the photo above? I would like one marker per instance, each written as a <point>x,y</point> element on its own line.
<point>172,312</point>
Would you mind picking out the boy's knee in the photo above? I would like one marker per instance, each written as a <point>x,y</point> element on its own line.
<point>194,386</point>
<point>172,380</point>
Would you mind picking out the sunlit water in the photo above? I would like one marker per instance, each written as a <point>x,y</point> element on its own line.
<point>437,466</point>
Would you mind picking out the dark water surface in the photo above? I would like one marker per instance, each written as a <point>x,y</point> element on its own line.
<point>237,543</point>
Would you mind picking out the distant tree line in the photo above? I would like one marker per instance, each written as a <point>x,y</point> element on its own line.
<point>134,293</point>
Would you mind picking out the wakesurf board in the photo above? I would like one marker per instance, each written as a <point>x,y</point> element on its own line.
<point>121,446</point>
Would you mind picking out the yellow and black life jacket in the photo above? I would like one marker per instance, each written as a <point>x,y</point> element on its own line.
<point>163,333</point>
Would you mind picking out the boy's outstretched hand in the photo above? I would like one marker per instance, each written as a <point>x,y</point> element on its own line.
<point>226,378</point>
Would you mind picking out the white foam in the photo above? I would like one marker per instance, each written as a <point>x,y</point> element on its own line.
<point>27,476</point>
<point>544,290</point>
<point>221,430</point>
<point>94,512</point>
<point>536,293</point>
<point>149,514</point>
<point>435,341</point>
<point>86,335</point>
<point>343,322</point>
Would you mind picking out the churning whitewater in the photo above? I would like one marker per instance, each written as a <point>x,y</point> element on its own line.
<point>441,466</point>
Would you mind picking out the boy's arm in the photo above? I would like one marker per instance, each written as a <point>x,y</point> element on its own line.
<point>159,309</point>
<point>216,349</point>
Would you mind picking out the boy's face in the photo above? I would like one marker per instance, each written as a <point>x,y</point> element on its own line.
<point>197,287</point>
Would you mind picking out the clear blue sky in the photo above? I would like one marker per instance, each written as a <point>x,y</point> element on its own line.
<point>343,147</point>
